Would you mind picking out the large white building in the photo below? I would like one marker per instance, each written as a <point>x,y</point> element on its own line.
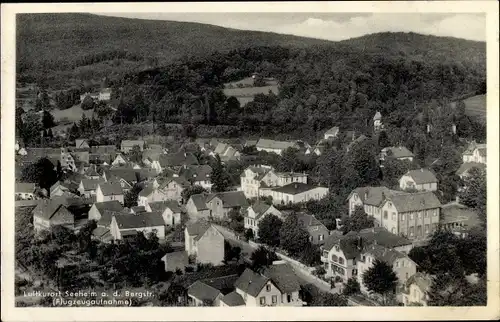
<point>296,192</point>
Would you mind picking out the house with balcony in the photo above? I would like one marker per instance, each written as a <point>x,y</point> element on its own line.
<point>420,180</point>
<point>204,242</point>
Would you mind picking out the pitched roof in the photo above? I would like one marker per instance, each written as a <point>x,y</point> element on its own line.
<point>455,212</point>
<point>306,220</point>
<point>406,202</point>
<point>276,145</point>
<point>333,131</point>
<point>198,228</point>
<point>202,291</point>
<point>177,159</point>
<point>283,276</point>
<point>347,243</point>
<point>260,208</point>
<point>465,167</point>
<point>196,172</point>
<point>146,191</point>
<point>107,215</point>
<point>160,206</point>
<point>91,184</point>
<point>381,236</point>
<point>100,232</point>
<point>23,187</point>
<point>129,175</point>
<point>138,209</point>
<point>398,152</point>
<point>422,176</point>
<point>144,219</point>
<point>81,143</point>
<point>64,187</point>
<point>295,188</point>
<point>131,143</point>
<point>180,180</point>
<point>259,171</point>
<point>92,171</point>
<point>383,253</point>
<point>220,148</point>
<point>251,282</point>
<point>423,281</point>
<point>233,299</point>
<point>230,199</point>
<point>373,196</point>
<point>152,155</point>
<point>377,116</point>
<point>111,189</point>
<point>112,205</point>
<point>199,201</point>
<point>49,208</point>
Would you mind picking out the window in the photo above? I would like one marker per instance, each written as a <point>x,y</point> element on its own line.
<point>419,230</point>
<point>289,298</point>
<point>275,299</point>
<point>406,275</point>
<point>426,228</point>
<point>385,214</point>
<point>310,238</point>
<point>334,258</point>
<point>262,300</point>
<point>426,214</point>
<point>403,217</point>
<point>420,215</point>
<point>363,258</point>
<point>411,216</point>
<point>412,231</point>
<point>393,216</point>
<point>268,288</point>
<point>435,212</point>
<point>321,237</point>
<point>396,264</point>
<point>341,260</point>
<point>337,248</point>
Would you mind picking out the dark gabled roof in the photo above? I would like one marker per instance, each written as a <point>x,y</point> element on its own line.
<point>91,184</point>
<point>233,299</point>
<point>91,171</point>
<point>251,282</point>
<point>399,152</point>
<point>283,276</point>
<point>382,236</point>
<point>224,284</point>
<point>177,159</point>
<point>295,188</point>
<point>422,176</point>
<point>129,175</point>
<point>160,206</point>
<point>183,182</point>
<point>202,291</point>
<point>196,172</point>
<point>48,209</point>
<point>146,191</point>
<point>306,220</point>
<point>260,208</point>
<point>23,187</point>
<point>417,201</point>
<point>198,228</point>
<point>230,199</point>
<point>199,200</point>
<point>384,254</point>
<point>107,215</point>
<point>111,189</point>
<point>465,167</point>
<point>138,209</point>
<point>422,280</point>
<point>145,219</point>
<point>348,245</point>
<point>373,196</point>
<point>100,232</point>
<point>113,205</point>
<point>64,187</point>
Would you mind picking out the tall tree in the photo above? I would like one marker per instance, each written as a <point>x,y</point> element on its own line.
<point>130,198</point>
<point>136,154</point>
<point>357,221</point>
<point>193,190</point>
<point>293,238</point>
<point>381,279</point>
<point>219,177</point>
<point>42,172</point>
<point>451,290</point>
<point>269,230</point>
<point>262,257</point>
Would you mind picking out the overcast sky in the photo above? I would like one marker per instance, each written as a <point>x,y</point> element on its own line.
<point>336,26</point>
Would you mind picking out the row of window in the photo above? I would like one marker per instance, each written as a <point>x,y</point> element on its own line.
<point>411,215</point>
<point>336,259</point>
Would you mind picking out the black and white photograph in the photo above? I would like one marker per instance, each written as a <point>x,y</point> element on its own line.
<point>251,159</point>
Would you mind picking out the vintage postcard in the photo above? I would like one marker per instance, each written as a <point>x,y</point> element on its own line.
<point>250,161</point>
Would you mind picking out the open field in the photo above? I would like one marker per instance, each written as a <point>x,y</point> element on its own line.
<point>247,93</point>
<point>70,115</point>
<point>475,106</point>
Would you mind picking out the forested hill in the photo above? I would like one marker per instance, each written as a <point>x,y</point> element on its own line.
<point>69,48</point>
<point>423,47</point>
<point>87,46</point>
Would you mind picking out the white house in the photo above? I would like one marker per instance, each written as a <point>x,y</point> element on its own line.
<point>119,160</point>
<point>332,133</point>
<point>417,290</point>
<point>256,213</point>
<point>126,225</point>
<point>105,94</point>
<point>203,241</point>
<point>377,121</point>
<point>251,180</point>
<point>169,210</point>
<point>109,191</point>
<point>274,146</point>
<point>88,187</point>
<point>421,180</point>
<point>149,194</point>
<point>295,193</point>
<point>475,153</point>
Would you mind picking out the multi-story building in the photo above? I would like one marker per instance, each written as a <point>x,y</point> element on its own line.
<point>203,241</point>
<point>256,212</point>
<point>294,193</point>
